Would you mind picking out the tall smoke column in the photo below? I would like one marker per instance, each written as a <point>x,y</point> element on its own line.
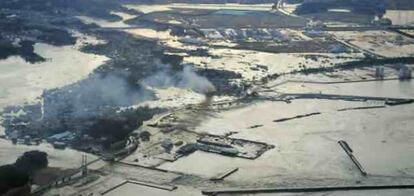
<point>190,79</point>
<point>199,84</point>
<point>186,79</point>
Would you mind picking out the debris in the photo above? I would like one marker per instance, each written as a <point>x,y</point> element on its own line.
<point>167,144</point>
<point>187,149</point>
<point>232,147</point>
<point>59,145</point>
<point>229,151</point>
<point>349,152</point>
<point>224,175</point>
<point>230,133</point>
<point>298,116</point>
<point>145,136</point>
<point>361,108</point>
<point>255,126</point>
<point>178,143</point>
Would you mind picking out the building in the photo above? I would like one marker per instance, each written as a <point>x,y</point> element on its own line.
<point>379,73</point>
<point>404,72</point>
<point>61,137</point>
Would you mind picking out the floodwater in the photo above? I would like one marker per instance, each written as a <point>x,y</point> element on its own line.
<point>307,152</point>
<point>22,82</point>
<point>400,17</point>
<point>130,189</point>
<point>108,24</point>
<point>384,43</point>
<point>340,193</point>
<point>137,31</point>
<point>388,88</point>
<point>230,6</point>
<point>150,33</point>
<point>67,158</point>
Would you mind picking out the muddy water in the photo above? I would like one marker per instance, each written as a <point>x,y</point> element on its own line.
<point>400,17</point>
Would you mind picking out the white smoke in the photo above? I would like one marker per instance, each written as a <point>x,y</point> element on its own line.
<point>98,91</point>
<point>187,79</point>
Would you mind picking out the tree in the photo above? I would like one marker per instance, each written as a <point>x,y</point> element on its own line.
<point>11,177</point>
<point>32,161</point>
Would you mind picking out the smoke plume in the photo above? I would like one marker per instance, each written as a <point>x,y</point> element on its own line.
<point>187,79</point>
<point>94,94</point>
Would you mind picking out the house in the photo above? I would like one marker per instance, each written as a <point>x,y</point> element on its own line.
<point>379,73</point>
<point>65,136</point>
<point>404,72</point>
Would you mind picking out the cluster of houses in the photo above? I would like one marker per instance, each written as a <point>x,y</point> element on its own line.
<point>259,34</point>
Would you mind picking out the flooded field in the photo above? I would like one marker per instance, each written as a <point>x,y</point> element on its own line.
<point>151,33</point>
<point>340,193</point>
<point>308,146</point>
<point>384,43</point>
<point>194,97</point>
<point>66,159</point>
<point>254,65</point>
<point>392,89</point>
<point>22,82</point>
<point>130,189</point>
<point>400,17</point>
<point>108,24</point>
<point>231,6</point>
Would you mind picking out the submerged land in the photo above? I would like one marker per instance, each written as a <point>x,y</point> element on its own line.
<point>213,98</point>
